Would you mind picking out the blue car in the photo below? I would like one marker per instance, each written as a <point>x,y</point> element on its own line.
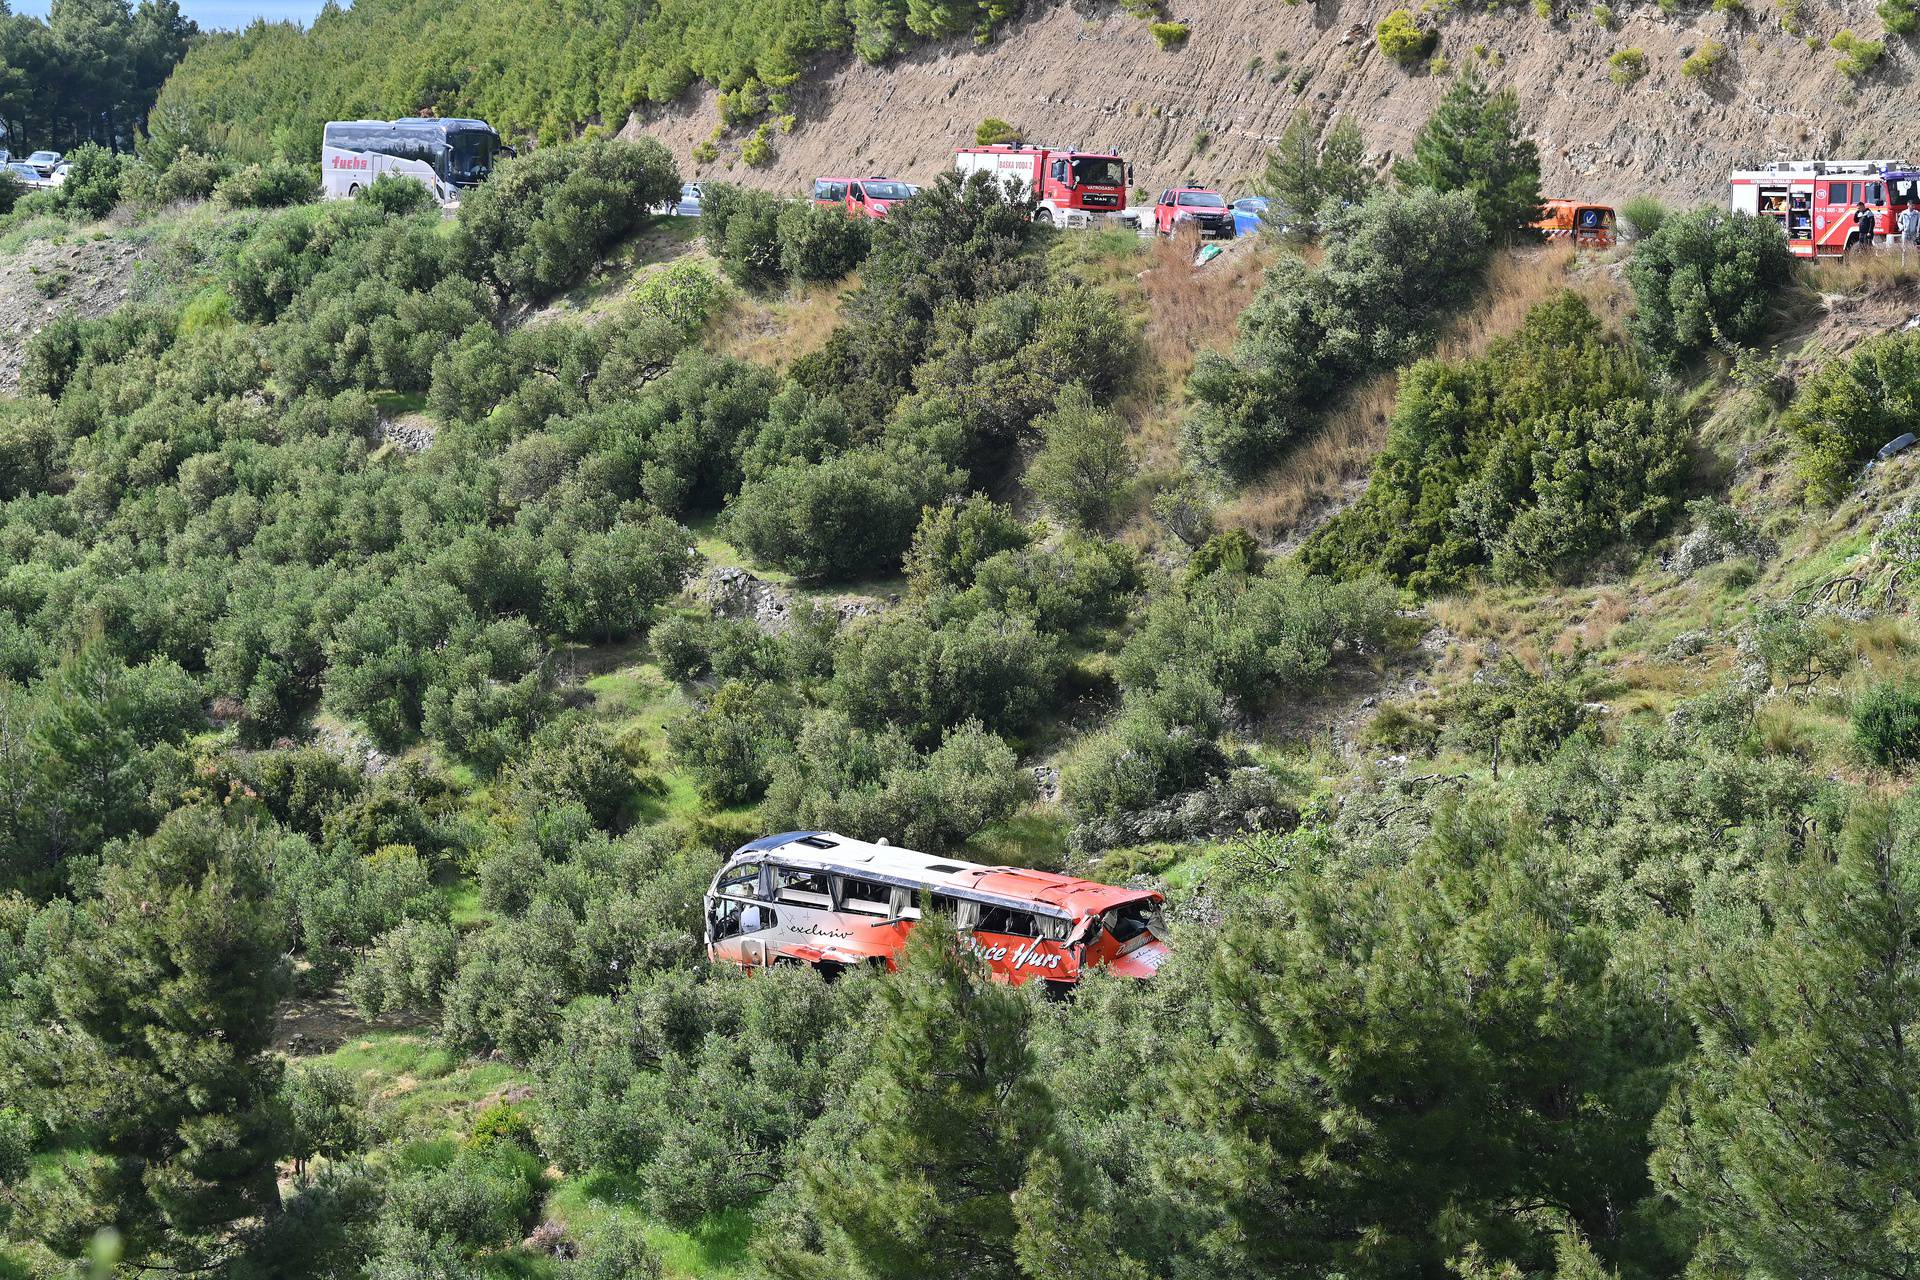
<point>1249,215</point>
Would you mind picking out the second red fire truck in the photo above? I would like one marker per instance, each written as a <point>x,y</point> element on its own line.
<point>1069,188</point>
<point>1826,207</point>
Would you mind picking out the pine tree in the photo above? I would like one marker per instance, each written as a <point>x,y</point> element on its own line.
<point>1796,1138</point>
<point>153,1058</point>
<point>1472,143</point>
<point>947,1115</point>
<point>1309,177</point>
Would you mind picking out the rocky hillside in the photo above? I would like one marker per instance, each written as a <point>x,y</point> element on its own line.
<point>1093,76</point>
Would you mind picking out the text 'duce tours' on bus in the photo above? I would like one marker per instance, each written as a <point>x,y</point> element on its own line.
<point>821,899</point>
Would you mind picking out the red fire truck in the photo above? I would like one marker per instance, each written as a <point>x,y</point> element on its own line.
<point>821,899</point>
<point>1826,207</point>
<point>1069,188</point>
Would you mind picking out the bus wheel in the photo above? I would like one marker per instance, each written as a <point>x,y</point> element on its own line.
<point>1058,990</point>
<point>353,189</point>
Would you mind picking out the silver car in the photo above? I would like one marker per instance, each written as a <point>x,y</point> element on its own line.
<point>45,162</point>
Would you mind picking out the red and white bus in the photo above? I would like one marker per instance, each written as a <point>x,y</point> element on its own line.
<point>1826,207</point>
<point>822,899</point>
<point>445,155</point>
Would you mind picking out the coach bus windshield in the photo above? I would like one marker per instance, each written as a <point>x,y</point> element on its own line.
<point>471,158</point>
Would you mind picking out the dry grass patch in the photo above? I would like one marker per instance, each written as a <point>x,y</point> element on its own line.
<point>1323,474</point>
<point>1189,310</point>
<point>777,331</point>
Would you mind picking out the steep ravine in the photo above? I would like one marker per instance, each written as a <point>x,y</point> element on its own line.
<point>1092,76</point>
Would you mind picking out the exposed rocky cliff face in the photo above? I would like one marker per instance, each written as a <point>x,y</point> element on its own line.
<point>1092,76</point>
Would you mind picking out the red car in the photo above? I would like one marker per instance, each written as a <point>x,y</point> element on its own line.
<point>1206,210</point>
<point>861,197</point>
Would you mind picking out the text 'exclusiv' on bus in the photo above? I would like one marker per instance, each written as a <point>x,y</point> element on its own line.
<point>822,899</point>
<point>446,155</point>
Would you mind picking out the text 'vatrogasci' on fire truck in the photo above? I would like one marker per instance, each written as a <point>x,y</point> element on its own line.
<point>1826,207</point>
<point>1069,188</point>
<point>822,899</point>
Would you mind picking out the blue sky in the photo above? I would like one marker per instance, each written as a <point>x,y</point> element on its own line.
<point>211,14</point>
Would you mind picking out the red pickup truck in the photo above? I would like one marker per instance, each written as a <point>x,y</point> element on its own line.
<point>1206,210</point>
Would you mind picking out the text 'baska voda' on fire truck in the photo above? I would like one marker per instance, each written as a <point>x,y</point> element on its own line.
<point>822,899</point>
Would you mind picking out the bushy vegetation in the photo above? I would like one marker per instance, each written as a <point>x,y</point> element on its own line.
<point>1528,461</point>
<point>1514,929</point>
<point>1706,278</point>
<point>87,72</point>
<point>1401,37</point>
<point>1308,176</point>
<point>1394,267</point>
<point>1852,406</point>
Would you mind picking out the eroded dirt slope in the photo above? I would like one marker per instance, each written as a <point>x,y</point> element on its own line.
<point>1096,78</point>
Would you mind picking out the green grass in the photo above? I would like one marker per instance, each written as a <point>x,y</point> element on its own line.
<point>421,1089</point>
<point>716,1247</point>
<point>394,403</point>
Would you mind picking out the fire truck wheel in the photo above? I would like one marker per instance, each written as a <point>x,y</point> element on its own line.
<point>1043,216</point>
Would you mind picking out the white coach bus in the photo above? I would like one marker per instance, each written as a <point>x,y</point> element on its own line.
<point>447,155</point>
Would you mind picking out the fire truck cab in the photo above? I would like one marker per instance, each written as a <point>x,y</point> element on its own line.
<point>824,900</point>
<point>1826,207</point>
<point>1068,188</point>
<point>861,197</point>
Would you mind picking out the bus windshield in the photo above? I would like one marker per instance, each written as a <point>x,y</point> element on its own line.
<point>471,158</point>
<point>1099,172</point>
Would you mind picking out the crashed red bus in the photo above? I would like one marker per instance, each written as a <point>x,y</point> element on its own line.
<point>822,899</point>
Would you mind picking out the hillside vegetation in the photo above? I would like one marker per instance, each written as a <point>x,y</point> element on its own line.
<point>1502,658</point>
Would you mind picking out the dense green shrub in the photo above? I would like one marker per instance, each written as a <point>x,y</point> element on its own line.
<point>1526,461</point>
<point>925,677</point>
<point>1082,469</point>
<point>1643,215</point>
<point>92,187</point>
<point>1886,724</point>
<point>1627,66</point>
<point>749,246</point>
<point>954,538</point>
<point>1161,744</point>
<point>1257,638</point>
<point>192,175</point>
<point>853,513</point>
<point>730,744</point>
<point>819,242</point>
<point>393,194</point>
<point>1850,407</point>
<point>541,220</point>
<point>1394,268</point>
<point>1401,37</point>
<point>840,777</point>
<point>272,185</point>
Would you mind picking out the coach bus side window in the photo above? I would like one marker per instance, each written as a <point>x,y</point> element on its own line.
<point>867,897</point>
<point>1018,924</point>
<point>741,882</point>
<point>802,888</point>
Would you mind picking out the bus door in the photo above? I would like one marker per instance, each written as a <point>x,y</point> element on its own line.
<point>737,921</point>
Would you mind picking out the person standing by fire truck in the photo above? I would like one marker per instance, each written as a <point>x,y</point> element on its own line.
<point>1863,225</point>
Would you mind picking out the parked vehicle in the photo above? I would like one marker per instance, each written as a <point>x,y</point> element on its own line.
<point>686,204</point>
<point>446,155</point>
<point>25,174</point>
<point>1251,215</point>
<point>1206,210</point>
<point>59,175</point>
<point>1069,188</point>
<point>1826,207</point>
<point>821,899</point>
<point>44,161</point>
<point>861,197</point>
<point>1588,226</point>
